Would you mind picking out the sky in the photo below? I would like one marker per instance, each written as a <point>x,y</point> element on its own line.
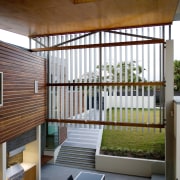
<point>23,41</point>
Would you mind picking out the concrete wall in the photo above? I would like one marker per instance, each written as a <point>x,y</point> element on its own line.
<point>169,94</point>
<point>130,166</point>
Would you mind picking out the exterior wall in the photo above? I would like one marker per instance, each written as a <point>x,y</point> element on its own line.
<point>22,109</point>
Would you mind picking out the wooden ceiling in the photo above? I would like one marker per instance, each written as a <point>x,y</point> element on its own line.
<point>46,17</point>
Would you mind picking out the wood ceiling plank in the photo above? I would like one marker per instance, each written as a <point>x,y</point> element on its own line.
<point>35,18</point>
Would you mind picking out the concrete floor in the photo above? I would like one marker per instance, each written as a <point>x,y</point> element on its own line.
<point>53,172</point>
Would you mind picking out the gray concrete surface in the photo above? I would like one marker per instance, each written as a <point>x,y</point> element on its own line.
<point>53,172</point>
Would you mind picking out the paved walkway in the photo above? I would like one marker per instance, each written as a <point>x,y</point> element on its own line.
<point>53,172</point>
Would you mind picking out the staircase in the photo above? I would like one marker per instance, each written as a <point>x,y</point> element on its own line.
<point>79,149</point>
<point>76,157</point>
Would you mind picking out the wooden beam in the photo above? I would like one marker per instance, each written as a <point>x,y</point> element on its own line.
<point>128,43</point>
<point>109,123</point>
<point>110,84</point>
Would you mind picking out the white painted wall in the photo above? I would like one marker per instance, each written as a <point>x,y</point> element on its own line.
<point>130,166</point>
<point>130,102</point>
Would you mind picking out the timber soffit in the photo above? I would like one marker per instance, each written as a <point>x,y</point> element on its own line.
<point>44,17</point>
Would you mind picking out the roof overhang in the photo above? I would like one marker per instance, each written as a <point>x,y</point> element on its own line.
<point>48,17</point>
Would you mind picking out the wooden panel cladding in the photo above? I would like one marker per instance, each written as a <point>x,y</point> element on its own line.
<point>22,109</point>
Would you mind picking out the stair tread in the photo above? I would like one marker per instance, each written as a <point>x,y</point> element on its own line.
<point>77,149</point>
<point>77,153</point>
<point>80,144</point>
<point>76,158</point>
<point>75,162</point>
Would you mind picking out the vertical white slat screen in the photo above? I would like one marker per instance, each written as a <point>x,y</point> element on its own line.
<point>126,80</point>
<point>154,77</point>
<point>67,77</point>
<point>104,77</point>
<point>109,50</point>
<point>80,80</point>
<point>94,55</point>
<point>131,68</point>
<point>120,74</point>
<point>148,77</point>
<point>71,71</point>
<point>115,80</point>
<point>75,59</point>
<point>85,81</point>
<point>106,64</point>
<point>137,80</point>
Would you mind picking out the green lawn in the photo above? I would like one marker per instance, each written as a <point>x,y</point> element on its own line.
<point>134,142</point>
<point>133,115</point>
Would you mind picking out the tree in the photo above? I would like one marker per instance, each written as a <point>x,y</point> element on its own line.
<point>177,75</point>
<point>122,72</point>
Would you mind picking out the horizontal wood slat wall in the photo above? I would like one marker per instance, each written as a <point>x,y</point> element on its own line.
<point>22,109</point>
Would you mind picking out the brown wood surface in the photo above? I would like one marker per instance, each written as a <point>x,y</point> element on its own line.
<point>110,84</point>
<point>30,174</point>
<point>22,109</point>
<point>109,123</point>
<point>37,18</point>
<point>128,43</point>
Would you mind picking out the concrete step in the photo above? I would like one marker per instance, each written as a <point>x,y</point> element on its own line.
<point>82,159</point>
<point>77,149</point>
<point>80,144</point>
<point>76,157</point>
